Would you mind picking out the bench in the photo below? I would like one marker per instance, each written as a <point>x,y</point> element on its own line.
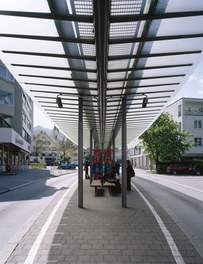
<point>98,184</point>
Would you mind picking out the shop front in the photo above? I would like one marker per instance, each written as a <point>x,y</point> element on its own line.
<point>14,151</point>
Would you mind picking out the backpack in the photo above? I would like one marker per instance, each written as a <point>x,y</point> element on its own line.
<point>131,172</point>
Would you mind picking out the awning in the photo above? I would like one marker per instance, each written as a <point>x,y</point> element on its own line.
<point>101,51</point>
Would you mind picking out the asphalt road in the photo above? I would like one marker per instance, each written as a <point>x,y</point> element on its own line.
<point>178,202</point>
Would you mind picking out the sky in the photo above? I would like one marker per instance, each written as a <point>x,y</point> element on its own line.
<point>193,88</point>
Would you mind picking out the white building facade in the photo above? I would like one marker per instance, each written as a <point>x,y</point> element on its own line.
<point>188,112</point>
<point>16,123</point>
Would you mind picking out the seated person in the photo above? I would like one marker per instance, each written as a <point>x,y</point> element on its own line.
<point>111,175</point>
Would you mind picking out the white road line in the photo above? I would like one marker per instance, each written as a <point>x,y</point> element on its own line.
<point>33,251</point>
<point>176,253</point>
<point>179,184</point>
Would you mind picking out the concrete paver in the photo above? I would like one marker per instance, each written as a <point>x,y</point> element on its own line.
<point>105,233</point>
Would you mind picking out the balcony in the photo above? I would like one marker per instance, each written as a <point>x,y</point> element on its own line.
<point>193,112</point>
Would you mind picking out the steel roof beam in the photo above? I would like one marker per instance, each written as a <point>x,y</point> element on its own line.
<point>41,15</point>
<point>145,78</point>
<point>49,38</point>
<point>54,55</point>
<point>152,55</point>
<point>156,38</point>
<point>113,19</point>
<point>145,17</point>
<point>101,11</point>
<point>57,78</point>
<point>62,86</point>
<point>142,86</point>
<point>149,68</point>
<point>53,68</point>
<point>92,42</point>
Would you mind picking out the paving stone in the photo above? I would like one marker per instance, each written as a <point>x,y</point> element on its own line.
<point>105,233</point>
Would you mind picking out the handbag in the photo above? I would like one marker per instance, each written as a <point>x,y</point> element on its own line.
<point>132,172</point>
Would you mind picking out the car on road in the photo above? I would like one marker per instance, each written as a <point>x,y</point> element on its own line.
<point>196,169</point>
<point>67,166</point>
<point>177,168</point>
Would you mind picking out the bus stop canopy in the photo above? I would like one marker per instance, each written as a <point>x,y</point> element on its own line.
<point>101,51</point>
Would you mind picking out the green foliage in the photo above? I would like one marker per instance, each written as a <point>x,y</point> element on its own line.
<point>66,148</point>
<point>86,157</point>
<point>64,159</point>
<point>38,146</point>
<point>164,141</point>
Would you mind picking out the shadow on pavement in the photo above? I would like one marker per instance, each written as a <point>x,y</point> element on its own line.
<point>25,185</point>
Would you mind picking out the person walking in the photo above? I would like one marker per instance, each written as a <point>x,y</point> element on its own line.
<point>130,173</point>
<point>117,165</point>
<point>86,169</point>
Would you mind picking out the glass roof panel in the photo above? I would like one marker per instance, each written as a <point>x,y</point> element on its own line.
<point>120,7</point>
<point>155,67</point>
<point>25,5</point>
<point>124,30</point>
<point>83,7</point>
<point>27,26</point>
<point>120,49</point>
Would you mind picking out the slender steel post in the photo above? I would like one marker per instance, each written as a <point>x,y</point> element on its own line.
<point>124,176</point>
<point>113,146</point>
<point>91,162</point>
<point>80,154</point>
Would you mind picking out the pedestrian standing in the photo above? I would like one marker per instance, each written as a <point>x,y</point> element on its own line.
<point>86,169</point>
<point>130,173</point>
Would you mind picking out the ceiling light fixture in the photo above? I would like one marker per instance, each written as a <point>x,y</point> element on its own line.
<point>145,101</point>
<point>59,101</point>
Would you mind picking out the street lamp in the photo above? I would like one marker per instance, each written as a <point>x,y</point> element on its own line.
<point>59,101</point>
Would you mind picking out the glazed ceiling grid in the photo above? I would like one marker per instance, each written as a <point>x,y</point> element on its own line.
<point>136,62</point>
<point>125,7</point>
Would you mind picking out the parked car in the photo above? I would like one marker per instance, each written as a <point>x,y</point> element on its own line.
<point>67,166</point>
<point>177,168</point>
<point>196,169</point>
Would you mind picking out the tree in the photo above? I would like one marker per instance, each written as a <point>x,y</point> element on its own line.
<point>65,146</point>
<point>37,146</point>
<point>164,141</point>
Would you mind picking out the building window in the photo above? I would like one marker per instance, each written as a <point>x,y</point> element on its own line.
<point>198,141</point>
<point>4,72</point>
<point>197,123</point>
<point>6,98</point>
<point>179,110</point>
<point>26,136</point>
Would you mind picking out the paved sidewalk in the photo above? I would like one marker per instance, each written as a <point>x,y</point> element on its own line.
<point>105,233</point>
<point>16,179</point>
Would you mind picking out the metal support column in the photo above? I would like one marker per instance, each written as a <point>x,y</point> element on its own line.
<point>124,176</point>
<point>80,154</point>
<point>91,159</point>
<point>113,146</point>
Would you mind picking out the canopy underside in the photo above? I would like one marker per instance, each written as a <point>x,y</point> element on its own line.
<point>101,51</point>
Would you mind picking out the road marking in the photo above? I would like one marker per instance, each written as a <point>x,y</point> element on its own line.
<point>33,251</point>
<point>179,184</point>
<point>176,253</point>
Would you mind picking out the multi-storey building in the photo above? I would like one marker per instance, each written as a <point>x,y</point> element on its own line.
<point>49,145</point>
<point>188,112</point>
<point>16,123</point>
<point>44,148</point>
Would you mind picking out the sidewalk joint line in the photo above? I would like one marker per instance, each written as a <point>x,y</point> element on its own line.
<point>176,253</point>
<point>33,251</point>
